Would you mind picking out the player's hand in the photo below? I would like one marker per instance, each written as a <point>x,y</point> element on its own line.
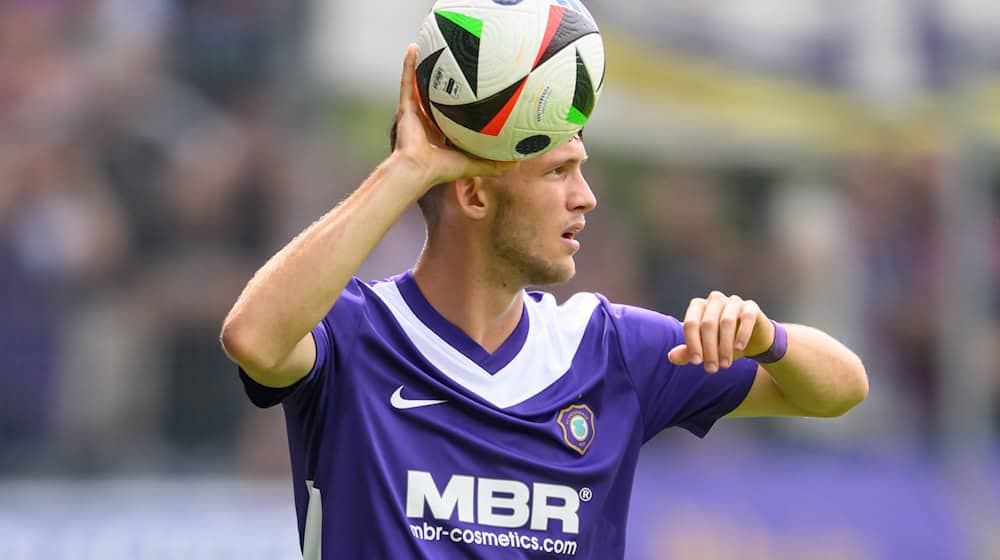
<point>721,329</point>
<point>421,144</point>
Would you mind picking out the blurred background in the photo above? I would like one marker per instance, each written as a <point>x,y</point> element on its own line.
<point>836,160</point>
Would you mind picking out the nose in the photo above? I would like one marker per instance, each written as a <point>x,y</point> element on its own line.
<point>581,198</point>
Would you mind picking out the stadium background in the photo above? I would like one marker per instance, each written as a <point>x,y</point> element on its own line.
<point>835,160</point>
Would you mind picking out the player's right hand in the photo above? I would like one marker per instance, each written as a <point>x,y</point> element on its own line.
<point>420,143</point>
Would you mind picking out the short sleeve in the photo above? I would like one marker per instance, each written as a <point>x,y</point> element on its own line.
<point>266,397</point>
<point>333,336</point>
<point>671,395</point>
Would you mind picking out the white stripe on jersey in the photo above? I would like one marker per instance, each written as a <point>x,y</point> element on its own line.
<point>554,335</point>
<point>312,536</point>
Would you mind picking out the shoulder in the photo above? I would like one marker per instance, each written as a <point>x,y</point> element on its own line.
<point>636,328</point>
<point>590,311</point>
<point>563,324</point>
<point>359,302</point>
<point>595,304</point>
<point>580,304</point>
<point>359,294</point>
<point>585,305</point>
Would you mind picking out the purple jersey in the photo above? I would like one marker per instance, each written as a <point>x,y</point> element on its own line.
<point>409,440</point>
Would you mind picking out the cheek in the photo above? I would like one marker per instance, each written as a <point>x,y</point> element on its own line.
<point>522,232</point>
<point>523,229</point>
<point>528,220</point>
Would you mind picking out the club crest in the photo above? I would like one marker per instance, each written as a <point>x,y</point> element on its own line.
<point>578,426</point>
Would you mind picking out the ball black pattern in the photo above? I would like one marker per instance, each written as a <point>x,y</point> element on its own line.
<point>533,144</point>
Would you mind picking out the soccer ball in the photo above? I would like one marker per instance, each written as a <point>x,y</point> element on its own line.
<point>509,79</point>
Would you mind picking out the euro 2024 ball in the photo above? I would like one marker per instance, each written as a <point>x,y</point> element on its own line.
<point>509,79</point>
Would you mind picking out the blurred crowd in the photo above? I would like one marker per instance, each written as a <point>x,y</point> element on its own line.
<point>144,179</point>
<point>153,153</point>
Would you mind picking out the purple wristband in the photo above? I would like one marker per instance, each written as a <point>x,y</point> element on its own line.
<point>778,346</point>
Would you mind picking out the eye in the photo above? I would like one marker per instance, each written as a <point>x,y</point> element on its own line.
<point>558,171</point>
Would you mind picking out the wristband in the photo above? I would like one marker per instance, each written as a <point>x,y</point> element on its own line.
<point>778,346</point>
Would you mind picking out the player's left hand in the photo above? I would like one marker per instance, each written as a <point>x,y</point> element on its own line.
<point>721,329</point>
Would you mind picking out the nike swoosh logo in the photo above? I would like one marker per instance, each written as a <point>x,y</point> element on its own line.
<point>397,401</point>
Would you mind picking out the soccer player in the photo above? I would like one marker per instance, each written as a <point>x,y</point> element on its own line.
<point>449,413</point>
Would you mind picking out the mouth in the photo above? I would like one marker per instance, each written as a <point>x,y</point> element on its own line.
<point>570,235</point>
<point>571,231</point>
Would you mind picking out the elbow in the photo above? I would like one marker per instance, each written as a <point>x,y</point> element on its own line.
<point>235,343</point>
<point>244,347</point>
<point>854,393</point>
<point>858,391</point>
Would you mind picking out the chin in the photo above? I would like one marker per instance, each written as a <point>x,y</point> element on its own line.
<point>521,265</point>
<point>553,273</point>
<point>569,271</point>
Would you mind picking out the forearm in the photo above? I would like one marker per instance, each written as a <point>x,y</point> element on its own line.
<point>293,291</point>
<point>819,374</point>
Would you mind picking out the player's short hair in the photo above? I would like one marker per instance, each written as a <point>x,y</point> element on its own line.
<point>430,202</point>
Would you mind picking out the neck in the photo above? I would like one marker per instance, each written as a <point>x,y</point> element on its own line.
<point>459,287</point>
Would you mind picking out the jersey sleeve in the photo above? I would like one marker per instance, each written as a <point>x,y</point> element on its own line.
<point>671,395</point>
<point>333,336</point>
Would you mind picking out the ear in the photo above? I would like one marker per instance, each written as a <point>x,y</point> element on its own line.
<point>473,197</point>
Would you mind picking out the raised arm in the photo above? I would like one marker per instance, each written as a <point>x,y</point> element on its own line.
<point>815,376</point>
<point>267,332</point>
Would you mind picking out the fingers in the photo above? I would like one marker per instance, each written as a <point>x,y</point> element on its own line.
<point>417,133</point>
<point>407,82</point>
<point>488,168</point>
<point>748,318</point>
<point>716,331</point>
<point>727,329</point>
<point>679,355</point>
<point>692,329</point>
<point>710,331</point>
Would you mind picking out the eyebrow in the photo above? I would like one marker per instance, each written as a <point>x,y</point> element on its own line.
<point>572,160</point>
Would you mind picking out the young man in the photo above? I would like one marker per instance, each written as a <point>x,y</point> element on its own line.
<point>447,413</point>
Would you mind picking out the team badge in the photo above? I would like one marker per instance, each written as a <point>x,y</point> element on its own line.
<point>577,423</point>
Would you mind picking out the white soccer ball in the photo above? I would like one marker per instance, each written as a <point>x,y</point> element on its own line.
<point>509,79</point>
